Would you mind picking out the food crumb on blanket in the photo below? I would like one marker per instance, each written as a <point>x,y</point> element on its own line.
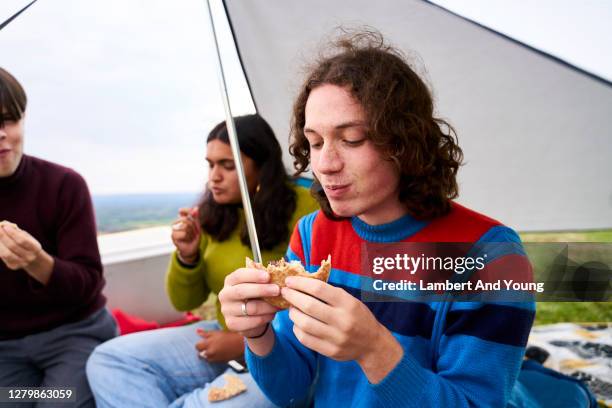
<point>233,386</point>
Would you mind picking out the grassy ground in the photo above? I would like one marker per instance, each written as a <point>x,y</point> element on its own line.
<point>557,312</point>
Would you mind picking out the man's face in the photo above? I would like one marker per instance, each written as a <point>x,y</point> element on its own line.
<point>11,146</point>
<point>355,176</point>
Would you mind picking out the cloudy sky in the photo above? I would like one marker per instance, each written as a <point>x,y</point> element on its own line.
<point>125,91</point>
<point>122,91</point>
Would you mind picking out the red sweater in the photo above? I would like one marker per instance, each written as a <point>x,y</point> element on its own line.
<point>52,203</point>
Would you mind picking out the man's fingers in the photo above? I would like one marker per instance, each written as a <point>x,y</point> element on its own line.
<point>310,325</point>
<point>244,323</point>
<point>316,288</point>
<point>246,275</point>
<point>314,343</point>
<point>254,307</point>
<point>308,304</point>
<point>246,291</point>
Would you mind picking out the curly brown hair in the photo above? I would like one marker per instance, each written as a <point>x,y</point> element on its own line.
<point>399,111</point>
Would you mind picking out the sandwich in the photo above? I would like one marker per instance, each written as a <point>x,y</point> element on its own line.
<point>279,270</point>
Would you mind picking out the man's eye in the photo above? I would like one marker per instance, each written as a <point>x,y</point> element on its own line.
<point>354,143</point>
<point>316,145</point>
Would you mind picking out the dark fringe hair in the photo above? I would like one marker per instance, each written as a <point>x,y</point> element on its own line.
<point>13,99</point>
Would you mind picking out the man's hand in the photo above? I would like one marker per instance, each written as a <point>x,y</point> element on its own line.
<point>244,310</point>
<point>332,322</point>
<point>20,250</point>
<point>220,346</point>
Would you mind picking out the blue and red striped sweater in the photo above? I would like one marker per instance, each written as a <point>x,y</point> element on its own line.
<point>481,345</point>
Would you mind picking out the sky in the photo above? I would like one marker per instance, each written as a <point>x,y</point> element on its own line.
<point>125,91</point>
<point>577,31</point>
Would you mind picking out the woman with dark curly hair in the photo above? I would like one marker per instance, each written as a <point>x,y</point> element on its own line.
<point>385,171</point>
<point>178,366</point>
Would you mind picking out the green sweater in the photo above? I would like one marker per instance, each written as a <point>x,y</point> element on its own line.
<point>189,287</point>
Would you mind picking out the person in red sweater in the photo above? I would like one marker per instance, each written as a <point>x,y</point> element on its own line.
<point>52,312</point>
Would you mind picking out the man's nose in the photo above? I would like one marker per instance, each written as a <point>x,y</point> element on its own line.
<point>329,160</point>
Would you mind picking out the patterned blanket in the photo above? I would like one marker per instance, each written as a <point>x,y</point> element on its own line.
<point>582,351</point>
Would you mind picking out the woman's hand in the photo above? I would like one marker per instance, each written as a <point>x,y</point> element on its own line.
<point>220,346</point>
<point>334,323</point>
<point>186,235</point>
<point>241,302</point>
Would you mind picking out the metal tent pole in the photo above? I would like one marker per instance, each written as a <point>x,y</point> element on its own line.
<point>231,130</point>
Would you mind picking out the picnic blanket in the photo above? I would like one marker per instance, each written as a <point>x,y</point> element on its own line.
<point>582,351</point>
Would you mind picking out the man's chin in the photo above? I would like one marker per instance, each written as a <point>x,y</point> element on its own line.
<point>342,210</point>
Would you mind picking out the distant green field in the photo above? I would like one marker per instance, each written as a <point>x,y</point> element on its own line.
<point>557,312</point>
<point>124,212</point>
<point>569,236</point>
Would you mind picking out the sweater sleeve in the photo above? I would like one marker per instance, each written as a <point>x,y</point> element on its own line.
<point>480,352</point>
<point>472,371</point>
<point>76,277</point>
<point>186,285</point>
<point>288,371</point>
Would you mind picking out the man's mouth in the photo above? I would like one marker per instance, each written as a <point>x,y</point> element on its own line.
<point>336,190</point>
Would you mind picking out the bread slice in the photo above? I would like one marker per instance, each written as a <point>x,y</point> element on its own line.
<point>233,386</point>
<point>279,270</point>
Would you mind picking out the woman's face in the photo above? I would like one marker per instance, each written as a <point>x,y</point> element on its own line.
<point>11,146</point>
<point>355,176</point>
<point>222,175</point>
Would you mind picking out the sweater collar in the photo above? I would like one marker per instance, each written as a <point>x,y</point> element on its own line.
<point>18,175</point>
<point>393,231</point>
